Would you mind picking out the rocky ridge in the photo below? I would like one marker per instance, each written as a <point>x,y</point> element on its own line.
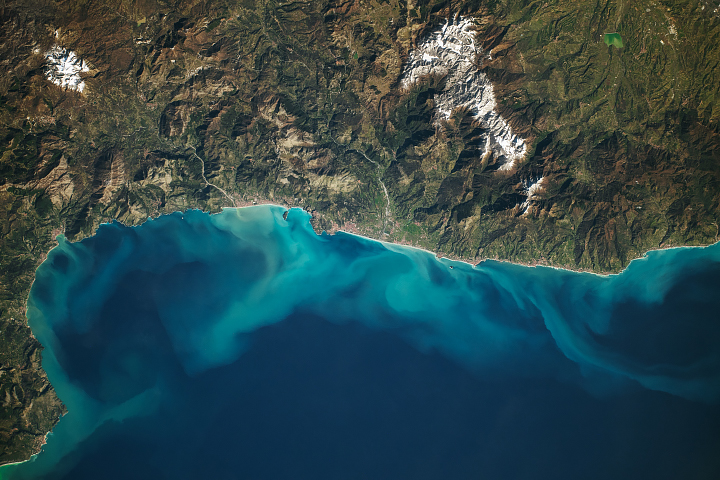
<point>450,53</point>
<point>64,68</point>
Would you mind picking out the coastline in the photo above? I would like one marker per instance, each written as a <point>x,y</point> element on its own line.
<point>391,245</point>
<point>32,457</point>
<point>402,244</point>
<point>471,262</point>
<point>475,264</point>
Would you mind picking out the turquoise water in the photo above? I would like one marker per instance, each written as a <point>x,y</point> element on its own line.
<point>151,331</point>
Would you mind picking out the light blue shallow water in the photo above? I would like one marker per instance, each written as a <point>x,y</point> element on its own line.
<point>129,315</point>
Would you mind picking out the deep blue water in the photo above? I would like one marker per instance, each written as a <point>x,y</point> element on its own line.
<point>243,345</point>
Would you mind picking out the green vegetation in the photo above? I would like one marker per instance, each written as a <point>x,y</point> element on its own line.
<point>212,25</point>
<point>613,39</point>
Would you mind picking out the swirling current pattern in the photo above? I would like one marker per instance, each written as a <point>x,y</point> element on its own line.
<point>125,314</point>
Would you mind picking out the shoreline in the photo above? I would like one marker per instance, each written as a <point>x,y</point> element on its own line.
<point>390,245</point>
<point>471,263</point>
<point>438,255</point>
<point>32,457</point>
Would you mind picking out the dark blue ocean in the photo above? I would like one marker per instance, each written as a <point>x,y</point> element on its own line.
<point>244,346</point>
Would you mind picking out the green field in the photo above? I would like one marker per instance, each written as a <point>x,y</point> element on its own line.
<point>613,39</point>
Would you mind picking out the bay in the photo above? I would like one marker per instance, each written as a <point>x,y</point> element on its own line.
<point>243,345</point>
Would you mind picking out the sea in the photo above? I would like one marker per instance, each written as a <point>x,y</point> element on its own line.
<point>243,345</point>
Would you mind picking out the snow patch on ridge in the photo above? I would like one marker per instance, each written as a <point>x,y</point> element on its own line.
<point>64,68</point>
<point>451,51</point>
<point>533,188</point>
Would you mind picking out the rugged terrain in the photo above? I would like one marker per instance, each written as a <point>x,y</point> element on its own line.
<point>207,104</point>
